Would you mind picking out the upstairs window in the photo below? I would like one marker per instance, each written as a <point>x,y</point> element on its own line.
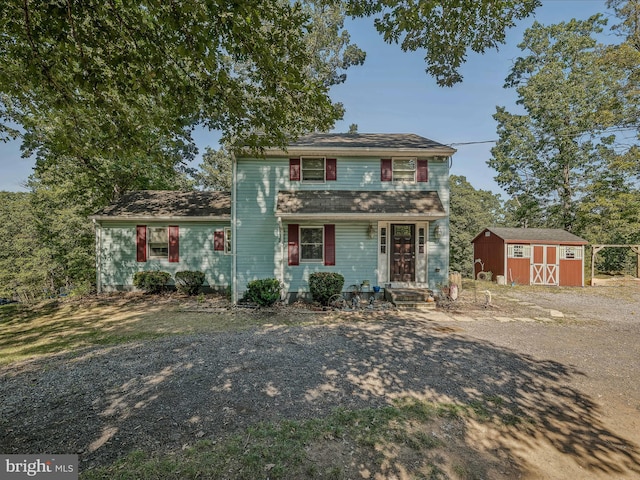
<point>313,169</point>
<point>404,170</point>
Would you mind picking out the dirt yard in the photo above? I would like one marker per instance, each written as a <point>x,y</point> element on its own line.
<point>563,364</point>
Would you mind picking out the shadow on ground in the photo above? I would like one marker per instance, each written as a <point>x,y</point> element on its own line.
<point>162,394</point>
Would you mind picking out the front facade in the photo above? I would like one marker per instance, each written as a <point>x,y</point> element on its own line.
<point>372,207</point>
<point>530,256</point>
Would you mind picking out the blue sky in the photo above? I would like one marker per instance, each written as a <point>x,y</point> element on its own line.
<point>391,93</point>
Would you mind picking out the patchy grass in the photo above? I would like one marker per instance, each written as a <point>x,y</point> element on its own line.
<point>414,434</point>
<point>28,331</point>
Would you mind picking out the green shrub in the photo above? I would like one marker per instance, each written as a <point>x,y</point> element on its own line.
<point>265,292</point>
<point>151,282</point>
<point>324,285</point>
<point>189,282</point>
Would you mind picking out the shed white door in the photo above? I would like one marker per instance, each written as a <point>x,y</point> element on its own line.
<point>544,268</point>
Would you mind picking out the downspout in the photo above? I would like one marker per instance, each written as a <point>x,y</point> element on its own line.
<point>281,232</point>
<point>234,236</point>
<point>98,244</point>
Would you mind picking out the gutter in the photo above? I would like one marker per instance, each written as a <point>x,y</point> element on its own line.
<point>151,218</point>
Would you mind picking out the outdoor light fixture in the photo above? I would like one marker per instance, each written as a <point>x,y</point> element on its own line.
<point>437,232</point>
<point>372,230</point>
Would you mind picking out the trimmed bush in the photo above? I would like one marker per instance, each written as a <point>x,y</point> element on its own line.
<point>265,292</point>
<point>324,285</point>
<point>189,282</point>
<point>151,282</point>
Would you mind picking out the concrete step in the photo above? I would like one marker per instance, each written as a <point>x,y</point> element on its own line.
<point>415,306</point>
<point>410,298</point>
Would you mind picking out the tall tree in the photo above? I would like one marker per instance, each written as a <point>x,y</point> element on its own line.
<point>444,30</point>
<point>116,88</point>
<point>26,267</point>
<point>470,211</point>
<point>550,153</point>
<point>215,170</point>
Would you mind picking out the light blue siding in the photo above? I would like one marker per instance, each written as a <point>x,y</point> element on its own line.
<point>356,258</point>
<point>262,243</point>
<point>116,247</point>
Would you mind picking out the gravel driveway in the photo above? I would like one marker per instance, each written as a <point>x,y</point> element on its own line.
<point>576,378</point>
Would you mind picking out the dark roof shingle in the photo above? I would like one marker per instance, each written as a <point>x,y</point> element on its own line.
<point>167,203</point>
<point>343,202</point>
<point>366,140</point>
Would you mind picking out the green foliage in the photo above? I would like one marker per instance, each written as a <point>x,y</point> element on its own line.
<point>27,269</point>
<point>215,170</point>
<point>264,292</point>
<point>470,212</point>
<point>151,281</point>
<point>563,148</point>
<point>324,285</point>
<point>189,282</point>
<point>445,31</point>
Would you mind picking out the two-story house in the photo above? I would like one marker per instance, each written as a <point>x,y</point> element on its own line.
<point>373,207</point>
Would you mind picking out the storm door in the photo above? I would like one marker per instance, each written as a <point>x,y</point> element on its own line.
<point>403,255</point>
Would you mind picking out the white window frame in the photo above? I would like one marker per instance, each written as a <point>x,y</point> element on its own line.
<point>394,169</point>
<point>570,252</point>
<point>151,244</point>
<point>519,251</point>
<point>228,248</point>
<point>313,180</point>
<point>311,260</point>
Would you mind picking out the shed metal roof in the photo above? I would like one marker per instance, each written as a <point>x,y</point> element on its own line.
<point>535,235</point>
<point>165,204</point>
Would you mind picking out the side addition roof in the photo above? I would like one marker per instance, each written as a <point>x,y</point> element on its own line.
<point>535,235</point>
<point>168,205</point>
<point>336,204</point>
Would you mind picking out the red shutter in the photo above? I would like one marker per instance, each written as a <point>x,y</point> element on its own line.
<point>386,170</point>
<point>174,243</point>
<point>218,240</point>
<point>294,169</point>
<point>329,244</point>
<point>141,243</point>
<point>294,245</point>
<point>423,171</point>
<point>332,169</point>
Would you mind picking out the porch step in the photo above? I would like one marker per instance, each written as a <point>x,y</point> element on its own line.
<point>410,298</point>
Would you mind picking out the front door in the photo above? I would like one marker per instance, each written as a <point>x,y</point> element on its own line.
<point>403,258</point>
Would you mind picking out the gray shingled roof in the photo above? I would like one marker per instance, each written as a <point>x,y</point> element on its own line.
<point>366,140</point>
<point>166,203</point>
<point>343,202</point>
<point>543,235</point>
